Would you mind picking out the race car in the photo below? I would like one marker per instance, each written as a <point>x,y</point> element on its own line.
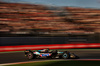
<point>47,53</point>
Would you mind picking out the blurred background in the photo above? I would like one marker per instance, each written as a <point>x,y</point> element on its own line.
<point>45,22</point>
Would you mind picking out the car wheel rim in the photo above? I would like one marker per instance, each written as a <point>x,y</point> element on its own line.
<point>30,56</point>
<point>65,55</point>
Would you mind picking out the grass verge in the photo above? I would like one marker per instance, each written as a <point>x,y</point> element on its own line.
<point>61,63</point>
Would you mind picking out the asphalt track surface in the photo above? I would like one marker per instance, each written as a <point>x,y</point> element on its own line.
<point>19,56</point>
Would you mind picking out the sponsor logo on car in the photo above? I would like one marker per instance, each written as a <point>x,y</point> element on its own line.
<point>45,55</point>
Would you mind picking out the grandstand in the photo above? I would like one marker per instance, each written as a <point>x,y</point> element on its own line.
<point>32,19</point>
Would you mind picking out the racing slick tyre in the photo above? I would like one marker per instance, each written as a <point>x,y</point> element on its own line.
<point>30,55</point>
<point>66,55</point>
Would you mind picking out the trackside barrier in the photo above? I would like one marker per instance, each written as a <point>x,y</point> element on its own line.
<point>52,46</point>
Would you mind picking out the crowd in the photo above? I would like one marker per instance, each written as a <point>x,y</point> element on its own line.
<point>29,19</point>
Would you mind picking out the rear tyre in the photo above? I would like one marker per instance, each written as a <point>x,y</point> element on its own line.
<point>65,55</point>
<point>30,56</point>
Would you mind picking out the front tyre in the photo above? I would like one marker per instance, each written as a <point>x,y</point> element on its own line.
<point>65,55</point>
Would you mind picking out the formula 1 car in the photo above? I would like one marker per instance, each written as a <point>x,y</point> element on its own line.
<point>46,53</point>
